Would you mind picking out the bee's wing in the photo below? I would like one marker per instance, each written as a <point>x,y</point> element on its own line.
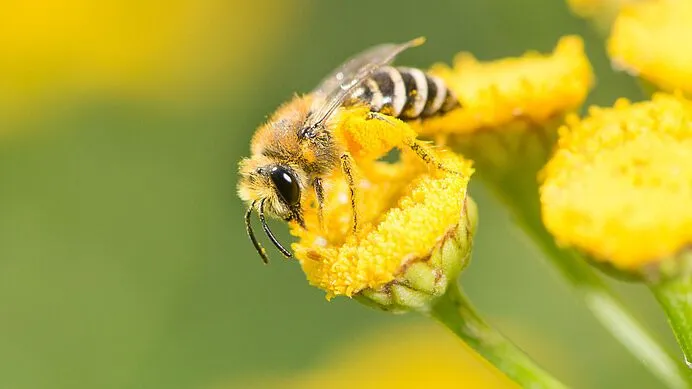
<point>337,86</point>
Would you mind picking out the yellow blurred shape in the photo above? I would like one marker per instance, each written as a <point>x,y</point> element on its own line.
<point>53,49</point>
<point>650,40</point>
<point>602,11</point>
<point>411,357</point>
<point>414,356</point>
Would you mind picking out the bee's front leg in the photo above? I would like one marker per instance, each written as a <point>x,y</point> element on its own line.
<point>319,194</point>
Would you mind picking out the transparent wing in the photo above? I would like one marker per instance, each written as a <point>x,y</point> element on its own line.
<point>338,85</point>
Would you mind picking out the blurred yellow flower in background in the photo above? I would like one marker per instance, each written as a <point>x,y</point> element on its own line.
<point>414,357</point>
<point>594,8</point>
<point>619,186</point>
<point>56,50</point>
<point>405,211</point>
<point>409,357</point>
<point>601,12</point>
<point>649,40</point>
<point>532,88</point>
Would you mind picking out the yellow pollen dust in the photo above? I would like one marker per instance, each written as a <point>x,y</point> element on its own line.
<point>370,138</point>
<point>650,39</point>
<point>619,186</point>
<point>404,208</point>
<point>534,87</point>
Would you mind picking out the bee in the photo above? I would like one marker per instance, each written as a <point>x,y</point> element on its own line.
<point>295,151</point>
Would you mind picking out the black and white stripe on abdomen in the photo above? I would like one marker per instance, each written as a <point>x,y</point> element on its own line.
<point>407,93</point>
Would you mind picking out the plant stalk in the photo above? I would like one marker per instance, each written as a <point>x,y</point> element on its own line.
<point>455,312</point>
<point>523,202</point>
<point>675,296</point>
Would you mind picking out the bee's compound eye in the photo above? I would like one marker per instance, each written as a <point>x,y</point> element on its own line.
<point>286,184</point>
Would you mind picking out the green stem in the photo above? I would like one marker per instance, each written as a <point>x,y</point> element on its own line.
<point>597,296</point>
<point>675,296</point>
<point>455,311</point>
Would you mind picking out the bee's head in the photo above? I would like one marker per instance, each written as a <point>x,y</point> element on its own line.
<point>271,188</point>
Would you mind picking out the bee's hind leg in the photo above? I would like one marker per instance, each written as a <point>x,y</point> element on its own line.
<point>347,168</point>
<point>419,147</point>
<point>426,154</point>
<point>380,116</point>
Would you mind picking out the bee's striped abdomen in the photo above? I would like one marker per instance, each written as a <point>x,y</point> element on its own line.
<point>406,93</point>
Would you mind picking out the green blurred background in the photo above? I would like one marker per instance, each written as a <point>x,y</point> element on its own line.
<point>123,256</point>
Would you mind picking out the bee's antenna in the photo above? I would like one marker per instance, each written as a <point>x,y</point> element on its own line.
<point>271,236</point>
<point>248,226</point>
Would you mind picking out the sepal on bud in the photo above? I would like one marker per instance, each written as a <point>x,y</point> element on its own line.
<point>425,279</point>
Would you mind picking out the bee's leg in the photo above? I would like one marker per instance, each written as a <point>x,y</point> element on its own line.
<point>421,149</point>
<point>380,116</point>
<point>319,194</point>
<point>347,168</point>
<point>417,146</point>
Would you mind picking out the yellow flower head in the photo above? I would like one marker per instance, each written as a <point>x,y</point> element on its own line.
<point>406,210</point>
<point>533,87</point>
<point>619,186</point>
<point>650,40</point>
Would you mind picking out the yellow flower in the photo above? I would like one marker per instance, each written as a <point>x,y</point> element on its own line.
<point>414,356</point>
<point>533,88</point>
<point>619,186</point>
<point>594,8</point>
<point>649,40</point>
<point>602,12</point>
<point>407,212</point>
<point>432,359</point>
